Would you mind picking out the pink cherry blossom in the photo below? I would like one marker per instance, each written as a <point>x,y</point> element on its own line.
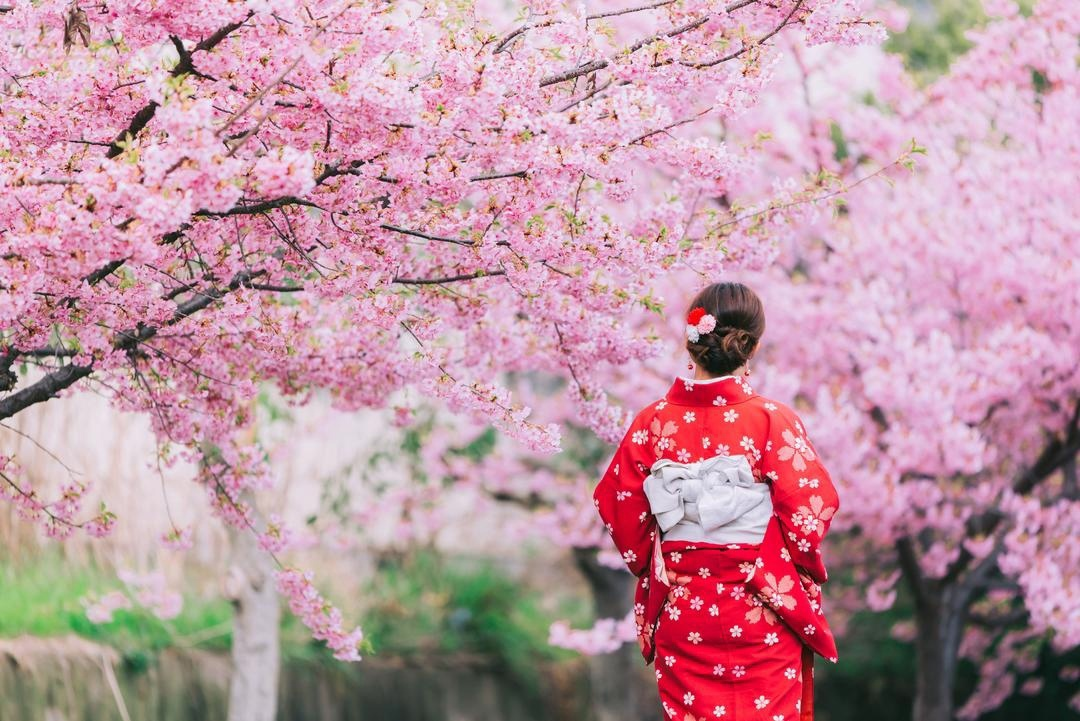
<point>318,615</point>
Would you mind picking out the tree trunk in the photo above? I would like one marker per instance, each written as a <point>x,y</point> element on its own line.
<point>939,620</point>
<point>255,646</point>
<point>620,688</point>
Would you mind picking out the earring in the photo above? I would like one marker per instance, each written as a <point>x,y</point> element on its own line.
<point>690,366</point>
<point>747,369</point>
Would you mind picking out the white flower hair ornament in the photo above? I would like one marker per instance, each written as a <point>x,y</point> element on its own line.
<point>698,322</point>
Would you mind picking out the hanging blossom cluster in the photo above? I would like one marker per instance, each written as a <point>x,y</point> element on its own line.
<point>178,539</point>
<point>196,199</point>
<point>493,403</point>
<point>318,614</point>
<point>58,517</point>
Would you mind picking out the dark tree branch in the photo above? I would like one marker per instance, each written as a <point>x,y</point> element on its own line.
<point>449,279</point>
<point>497,175</point>
<point>7,378</point>
<point>627,11</point>
<point>276,288</point>
<point>1054,456</point>
<point>138,122</point>
<point>256,208</point>
<point>1070,489</point>
<point>43,389</point>
<point>58,380</point>
<point>104,271</point>
<point>211,42</point>
<point>48,352</point>
<point>333,171</point>
<point>530,502</point>
<point>425,236</point>
<point>184,67</point>
<point>909,563</point>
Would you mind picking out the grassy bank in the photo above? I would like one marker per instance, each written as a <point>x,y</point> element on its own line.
<point>416,606</point>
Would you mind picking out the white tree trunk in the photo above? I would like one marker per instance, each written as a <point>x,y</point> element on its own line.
<point>255,644</point>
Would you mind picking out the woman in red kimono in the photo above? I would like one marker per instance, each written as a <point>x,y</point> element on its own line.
<point>719,503</point>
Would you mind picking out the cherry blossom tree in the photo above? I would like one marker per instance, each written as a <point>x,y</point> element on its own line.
<point>389,200</point>
<point>928,329</point>
<point>932,333</point>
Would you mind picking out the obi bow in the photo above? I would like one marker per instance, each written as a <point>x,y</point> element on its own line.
<point>711,493</point>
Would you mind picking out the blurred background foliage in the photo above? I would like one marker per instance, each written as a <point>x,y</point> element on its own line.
<point>937,34</point>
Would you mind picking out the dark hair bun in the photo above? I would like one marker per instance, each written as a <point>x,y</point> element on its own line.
<point>725,349</point>
<point>740,323</point>
<point>736,342</point>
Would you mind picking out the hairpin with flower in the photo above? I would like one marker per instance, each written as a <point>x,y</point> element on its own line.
<point>698,322</point>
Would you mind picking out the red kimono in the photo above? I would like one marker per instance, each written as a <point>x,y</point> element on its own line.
<point>732,627</point>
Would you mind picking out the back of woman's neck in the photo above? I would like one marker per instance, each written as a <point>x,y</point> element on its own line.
<point>703,377</point>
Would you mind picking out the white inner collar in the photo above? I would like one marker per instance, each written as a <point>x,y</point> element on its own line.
<point>710,380</point>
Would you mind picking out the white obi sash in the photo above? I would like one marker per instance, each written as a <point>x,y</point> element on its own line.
<point>715,500</point>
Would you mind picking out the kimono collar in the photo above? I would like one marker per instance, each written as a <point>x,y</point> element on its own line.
<point>721,391</point>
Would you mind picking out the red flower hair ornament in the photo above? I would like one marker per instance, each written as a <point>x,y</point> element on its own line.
<point>698,322</point>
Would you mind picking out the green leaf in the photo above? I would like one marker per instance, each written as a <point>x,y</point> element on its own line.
<point>840,146</point>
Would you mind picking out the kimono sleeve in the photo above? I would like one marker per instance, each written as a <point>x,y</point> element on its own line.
<point>621,502</point>
<point>803,495</point>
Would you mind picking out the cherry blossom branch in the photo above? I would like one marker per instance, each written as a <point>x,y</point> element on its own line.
<point>593,65</point>
<point>43,389</point>
<point>639,8</point>
<point>903,159</point>
<point>509,38</point>
<point>750,46</point>
<point>600,64</point>
<point>442,369</point>
<point>49,386</point>
<point>256,208</point>
<point>271,85</point>
<point>146,113</point>
<point>569,363</point>
<point>1057,453</point>
<point>505,42</point>
<point>672,126</point>
<point>497,175</point>
<point>104,271</point>
<point>38,505</point>
<point>426,236</point>
<point>449,279</point>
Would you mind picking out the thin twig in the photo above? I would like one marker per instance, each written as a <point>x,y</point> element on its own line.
<point>449,279</point>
